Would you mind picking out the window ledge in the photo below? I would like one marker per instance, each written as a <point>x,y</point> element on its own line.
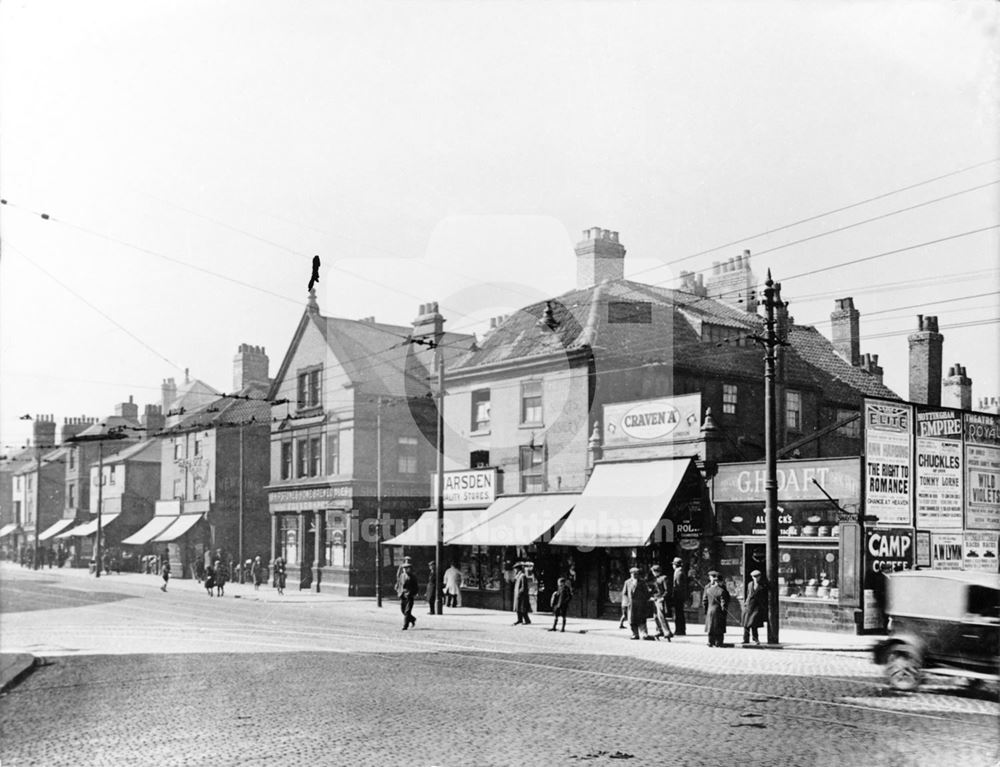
<point>539,425</point>
<point>479,433</point>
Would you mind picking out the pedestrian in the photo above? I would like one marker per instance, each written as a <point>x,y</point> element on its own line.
<point>210,580</point>
<point>453,586</point>
<point>754,607</point>
<point>257,572</point>
<point>679,597</point>
<point>165,572</point>
<point>661,594</point>
<point>715,600</point>
<point>221,576</point>
<point>625,606</point>
<point>432,587</point>
<point>638,599</point>
<point>560,602</point>
<point>522,600</point>
<point>279,574</point>
<point>408,590</point>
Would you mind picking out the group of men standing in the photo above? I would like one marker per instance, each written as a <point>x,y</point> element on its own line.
<point>669,595</point>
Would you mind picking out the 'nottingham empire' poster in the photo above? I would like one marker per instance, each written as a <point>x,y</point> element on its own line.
<point>982,467</point>
<point>939,469</point>
<point>888,462</point>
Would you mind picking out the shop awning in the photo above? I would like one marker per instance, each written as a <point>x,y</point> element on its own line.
<point>623,503</point>
<point>516,520</point>
<point>423,532</point>
<point>150,530</point>
<point>88,528</point>
<point>178,527</point>
<point>51,530</point>
<point>9,528</point>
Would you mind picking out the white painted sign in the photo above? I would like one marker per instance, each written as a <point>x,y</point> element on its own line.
<point>667,419</point>
<point>467,487</point>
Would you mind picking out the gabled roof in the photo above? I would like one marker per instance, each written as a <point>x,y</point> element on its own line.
<point>376,357</point>
<point>627,323</point>
<point>129,426</point>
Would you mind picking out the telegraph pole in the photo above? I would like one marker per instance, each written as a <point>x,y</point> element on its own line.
<point>439,545</point>
<point>772,300</point>
<point>37,558</point>
<point>378,501</point>
<point>100,497</point>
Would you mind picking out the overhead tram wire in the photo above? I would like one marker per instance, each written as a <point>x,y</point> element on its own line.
<point>817,216</point>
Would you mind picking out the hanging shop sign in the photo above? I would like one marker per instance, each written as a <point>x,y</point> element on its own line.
<point>668,419</point>
<point>981,552</point>
<point>982,467</point>
<point>888,462</point>
<point>467,488</point>
<point>939,469</point>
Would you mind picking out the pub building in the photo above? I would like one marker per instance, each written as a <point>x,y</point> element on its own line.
<point>819,551</point>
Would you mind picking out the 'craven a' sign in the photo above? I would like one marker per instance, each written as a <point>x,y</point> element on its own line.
<point>668,419</point>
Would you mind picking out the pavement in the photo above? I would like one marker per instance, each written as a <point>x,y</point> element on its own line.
<point>14,665</point>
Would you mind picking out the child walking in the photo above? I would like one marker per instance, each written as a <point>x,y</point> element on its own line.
<point>560,603</point>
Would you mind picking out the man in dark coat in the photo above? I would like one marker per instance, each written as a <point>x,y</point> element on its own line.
<point>431,588</point>
<point>715,600</point>
<point>522,600</point>
<point>408,589</point>
<point>638,598</point>
<point>661,591</point>
<point>754,607</point>
<point>679,596</point>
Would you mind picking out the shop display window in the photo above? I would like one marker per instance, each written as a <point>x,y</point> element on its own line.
<point>808,572</point>
<point>482,568</point>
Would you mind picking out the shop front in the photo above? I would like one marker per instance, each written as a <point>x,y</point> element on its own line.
<point>635,514</point>
<point>819,547</point>
<point>312,531</point>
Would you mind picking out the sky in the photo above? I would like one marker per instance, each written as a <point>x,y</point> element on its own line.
<point>170,169</point>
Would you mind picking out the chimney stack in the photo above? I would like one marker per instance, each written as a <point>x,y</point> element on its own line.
<point>250,367</point>
<point>599,257</point>
<point>153,420</point>
<point>846,330</point>
<point>43,430</point>
<point>957,389</point>
<point>127,409</point>
<point>694,283</point>
<point>733,283</point>
<point>869,363</point>
<point>168,393</point>
<point>429,324</point>
<point>925,362</point>
<point>73,426</point>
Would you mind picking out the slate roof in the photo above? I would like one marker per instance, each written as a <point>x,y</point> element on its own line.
<point>665,325</point>
<point>249,405</point>
<point>147,451</point>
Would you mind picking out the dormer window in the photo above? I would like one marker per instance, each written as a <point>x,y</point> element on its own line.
<point>720,334</point>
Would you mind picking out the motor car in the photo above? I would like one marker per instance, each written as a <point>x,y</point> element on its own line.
<point>941,622</point>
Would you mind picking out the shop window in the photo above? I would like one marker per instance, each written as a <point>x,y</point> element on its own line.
<point>302,456</point>
<point>729,392</point>
<point>531,402</point>
<point>286,460</point>
<point>479,459</point>
<point>336,546</point>
<point>333,453</point>
<point>315,457</point>
<point>793,410</point>
<point>406,448</point>
<point>808,572</point>
<point>531,469</point>
<point>482,568</point>
<point>853,427</point>
<point>480,410</point>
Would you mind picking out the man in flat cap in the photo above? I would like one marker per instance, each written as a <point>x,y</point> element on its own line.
<point>661,593</point>
<point>408,589</point>
<point>754,607</point>
<point>715,600</point>
<point>638,598</point>
<point>679,596</point>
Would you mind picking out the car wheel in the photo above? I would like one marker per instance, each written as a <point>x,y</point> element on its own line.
<point>903,671</point>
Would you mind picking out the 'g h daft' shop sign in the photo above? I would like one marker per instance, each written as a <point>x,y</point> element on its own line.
<point>669,419</point>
